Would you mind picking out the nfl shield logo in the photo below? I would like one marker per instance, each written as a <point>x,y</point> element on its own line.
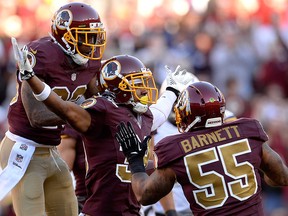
<point>19,158</point>
<point>24,147</point>
<point>73,76</point>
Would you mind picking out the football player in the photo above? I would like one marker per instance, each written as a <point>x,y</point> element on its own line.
<point>68,61</point>
<point>175,202</point>
<point>219,165</point>
<point>130,95</point>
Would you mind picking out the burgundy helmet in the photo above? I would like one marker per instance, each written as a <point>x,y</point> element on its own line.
<point>200,105</point>
<point>122,75</point>
<point>76,24</point>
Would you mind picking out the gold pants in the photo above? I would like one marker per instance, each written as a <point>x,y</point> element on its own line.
<point>46,187</point>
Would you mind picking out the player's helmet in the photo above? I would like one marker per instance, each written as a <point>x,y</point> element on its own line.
<point>122,75</point>
<point>200,105</point>
<point>76,24</point>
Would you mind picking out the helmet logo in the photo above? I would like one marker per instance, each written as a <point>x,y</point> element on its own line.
<point>111,70</point>
<point>212,100</point>
<point>63,19</point>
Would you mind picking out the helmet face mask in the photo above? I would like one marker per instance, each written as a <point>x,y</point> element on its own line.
<point>125,76</point>
<point>200,105</point>
<point>139,80</point>
<point>77,28</point>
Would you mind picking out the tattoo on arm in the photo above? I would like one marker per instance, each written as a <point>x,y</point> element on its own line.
<point>38,114</point>
<point>150,190</point>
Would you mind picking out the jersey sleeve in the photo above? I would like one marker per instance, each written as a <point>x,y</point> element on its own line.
<point>42,58</point>
<point>68,131</point>
<point>254,129</point>
<point>97,109</point>
<point>167,150</point>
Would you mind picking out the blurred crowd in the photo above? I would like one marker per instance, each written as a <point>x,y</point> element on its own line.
<point>239,45</point>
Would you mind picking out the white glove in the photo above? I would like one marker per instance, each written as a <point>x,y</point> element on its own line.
<point>25,68</point>
<point>179,79</point>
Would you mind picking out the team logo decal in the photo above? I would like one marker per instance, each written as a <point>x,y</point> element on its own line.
<point>111,70</point>
<point>88,103</point>
<point>63,19</point>
<point>73,76</point>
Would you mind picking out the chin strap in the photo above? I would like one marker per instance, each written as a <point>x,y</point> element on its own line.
<point>78,59</point>
<point>68,52</point>
<point>139,107</point>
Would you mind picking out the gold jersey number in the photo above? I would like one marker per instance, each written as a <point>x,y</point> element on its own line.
<point>212,190</point>
<point>62,91</point>
<point>122,170</point>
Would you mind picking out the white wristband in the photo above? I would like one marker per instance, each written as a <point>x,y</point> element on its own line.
<point>44,94</point>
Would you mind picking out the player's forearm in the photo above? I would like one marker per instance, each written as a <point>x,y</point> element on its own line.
<point>162,108</point>
<point>150,189</point>
<point>38,114</point>
<point>274,168</point>
<point>278,178</point>
<point>139,185</point>
<point>270,181</point>
<point>36,84</point>
<point>77,117</point>
<point>43,92</point>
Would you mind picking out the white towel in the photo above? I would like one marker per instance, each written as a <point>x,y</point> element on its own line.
<point>18,162</point>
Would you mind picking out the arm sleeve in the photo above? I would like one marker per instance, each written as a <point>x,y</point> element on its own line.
<point>162,108</point>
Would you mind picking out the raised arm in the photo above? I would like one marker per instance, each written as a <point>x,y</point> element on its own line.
<point>78,118</point>
<point>175,83</point>
<point>150,189</point>
<point>75,115</point>
<point>38,114</point>
<point>147,189</point>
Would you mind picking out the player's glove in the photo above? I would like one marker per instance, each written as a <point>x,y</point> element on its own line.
<point>178,80</point>
<point>25,68</point>
<point>132,147</point>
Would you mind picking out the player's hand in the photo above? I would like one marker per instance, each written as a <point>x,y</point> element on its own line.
<point>21,57</point>
<point>131,144</point>
<point>180,78</point>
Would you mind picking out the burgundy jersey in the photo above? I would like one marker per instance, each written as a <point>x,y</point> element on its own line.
<point>218,167</point>
<point>79,166</point>
<point>65,77</point>
<point>108,180</point>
